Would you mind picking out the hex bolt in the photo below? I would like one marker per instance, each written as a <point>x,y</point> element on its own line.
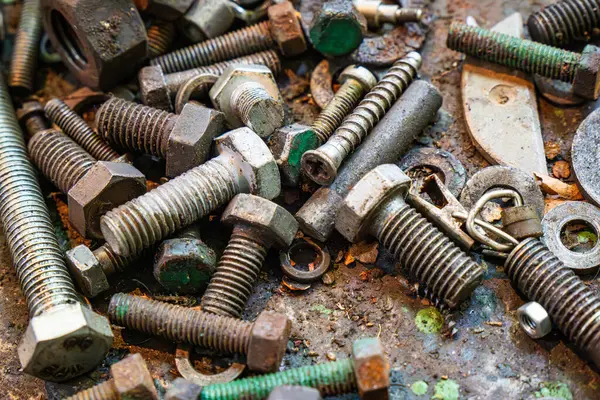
<point>244,165</point>
<point>376,206</point>
<point>321,165</point>
<point>565,21</point>
<point>32,118</point>
<point>161,35</point>
<point>84,337</point>
<point>130,380</point>
<point>367,371</point>
<point>77,129</point>
<point>377,13</point>
<point>337,28</point>
<point>579,69</point>
<point>263,342</point>
<point>25,55</point>
<point>182,140</point>
<point>258,225</point>
<point>92,187</point>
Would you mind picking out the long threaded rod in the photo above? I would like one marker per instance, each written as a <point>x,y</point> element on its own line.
<point>24,59</point>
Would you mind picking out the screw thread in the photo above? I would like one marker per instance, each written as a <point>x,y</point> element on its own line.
<point>331,379</point>
<point>269,58</point>
<point>77,129</point>
<point>135,127</point>
<point>409,15</point>
<point>59,158</point>
<point>30,235</point>
<point>238,43</point>
<point>231,285</point>
<point>139,223</point>
<point>25,54</point>
<point>102,391</point>
<point>513,52</point>
<point>431,258</point>
<point>543,278</point>
<point>565,21</point>
<point>35,124</point>
<point>160,38</point>
<point>112,262</point>
<point>180,324</point>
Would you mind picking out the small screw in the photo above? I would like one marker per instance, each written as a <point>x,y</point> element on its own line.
<point>25,56</point>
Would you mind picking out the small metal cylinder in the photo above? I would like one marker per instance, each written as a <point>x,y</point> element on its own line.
<point>24,60</point>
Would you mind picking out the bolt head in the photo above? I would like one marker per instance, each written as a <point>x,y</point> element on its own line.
<point>207,19</point>
<point>132,379</point>
<point>64,342</point>
<point>181,389</point>
<point>270,335</point>
<point>587,76</point>
<point>288,144</point>
<point>154,91</point>
<point>376,187</point>
<point>371,368</point>
<point>337,28</point>
<point>360,74</point>
<point>87,271</point>
<point>286,29</point>
<point>105,186</point>
<point>191,138</point>
<point>534,320</point>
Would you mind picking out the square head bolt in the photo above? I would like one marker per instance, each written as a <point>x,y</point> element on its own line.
<point>288,144</point>
<point>132,379</point>
<point>87,271</point>
<point>269,339</point>
<point>371,369</point>
<point>286,28</point>
<point>587,75</point>
<point>153,88</point>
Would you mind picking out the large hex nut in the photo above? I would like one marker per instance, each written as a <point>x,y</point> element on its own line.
<point>376,187</point>
<point>101,42</point>
<point>252,157</point>
<point>105,186</point>
<point>207,19</point>
<point>87,271</point>
<point>64,342</point>
<point>371,368</point>
<point>165,10</point>
<point>587,76</point>
<point>268,342</point>
<point>288,144</point>
<point>154,91</point>
<point>132,379</point>
<point>534,320</point>
<point>286,28</point>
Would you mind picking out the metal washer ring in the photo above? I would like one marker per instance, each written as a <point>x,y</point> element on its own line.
<point>187,89</point>
<point>187,370</point>
<point>323,260</point>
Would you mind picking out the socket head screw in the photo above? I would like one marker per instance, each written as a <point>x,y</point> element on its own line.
<point>268,341</point>
<point>359,74</point>
<point>371,369</point>
<point>207,19</point>
<point>288,144</point>
<point>534,320</point>
<point>87,271</point>
<point>182,389</point>
<point>104,187</point>
<point>286,29</point>
<point>337,28</point>
<point>167,10</point>
<point>587,76</point>
<point>132,380</point>
<point>153,88</point>
<point>64,342</point>
<point>362,202</point>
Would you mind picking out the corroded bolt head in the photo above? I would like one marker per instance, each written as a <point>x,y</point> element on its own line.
<point>269,337</point>
<point>132,379</point>
<point>288,144</point>
<point>87,271</point>
<point>207,19</point>
<point>587,77</point>
<point>154,91</point>
<point>286,28</point>
<point>359,74</point>
<point>337,28</point>
<point>371,369</point>
<point>184,265</point>
<point>182,389</point>
<point>64,342</point>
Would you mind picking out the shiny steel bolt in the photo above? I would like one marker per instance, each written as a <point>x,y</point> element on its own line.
<point>377,13</point>
<point>572,306</point>
<point>321,165</point>
<point>582,70</point>
<point>77,129</point>
<point>263,341</point>
<point>161,35</point>
<point>84,337</point>
<point>565,21</point>
<point>258,224</point>
<point>376,207</point>
<point>24,58</point>
<point>32,118</point>
<point>244,165</point>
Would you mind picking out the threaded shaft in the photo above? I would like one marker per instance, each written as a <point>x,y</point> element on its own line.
<point>139,223</point>
<point>102,391</point>
<point>30,235</point>
<point>573,307</point>
<point>25,54</point>
<point>238,43</point>
<point>257,109</point>
<point>332,378</point>
<point>35,124</point>
<point>161,35</point>
<point>231,285</point>
<point>135,127</point>
<point>431,258</point>
<point>269,58</point>
<point>513,52</point>
<point>112,262</point>
<point>565,21</point>
<point>59,158</point>
<point>77,129</point>
<point>409,15</point>
<point>180,324</point>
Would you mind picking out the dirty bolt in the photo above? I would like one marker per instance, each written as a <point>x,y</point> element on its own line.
<point>258,224</point>
<point>376,206</point>
<point>263,341</point>
<point>77,129</point>
<point>185,264</point>
<point>130,380</point>
<point>288,144</point>
<point>565,21</point>
<point>32,118</point>
<point>92,187</point>
<point>248,95</point>
<point>579,69</point>
<point>377,13</point>
<point>244,165</point>
<point>161,35</point>
<point>183,140</point>
<point>24,59</point>
<point>337,28</point>
<point>321,165</point>
<point>206,19</point>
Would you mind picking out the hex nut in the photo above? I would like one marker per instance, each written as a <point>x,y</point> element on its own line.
<point>87,271</point>
<point>534,320</point>
<point>273,221</point>
<point>105,186</point>
<point>371,369</point>
<point>132,379</point>
<point>360,74</point>
<point>286,29</point>
<point>288,144</point>
<point>269,337</point>
<point>587,76</point>
<point>165,10</point>
<point>191,138</point>
<point>182,389</point>
<point>337,28</point>
<point>64,342</point>
<point>251,155</point>
<point>154,91</point>
<point>376,187</point>
<point>84,31</point>
<point>207,19</point>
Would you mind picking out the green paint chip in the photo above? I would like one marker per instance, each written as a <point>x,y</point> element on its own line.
<point>322,309</point>
<point>429,320</point>
<point>446,390</point>
<point>419,388</point>
<point>555,389</point>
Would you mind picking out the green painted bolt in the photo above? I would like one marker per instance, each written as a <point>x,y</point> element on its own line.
<point>337,28</point>
<point>582,70</point>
